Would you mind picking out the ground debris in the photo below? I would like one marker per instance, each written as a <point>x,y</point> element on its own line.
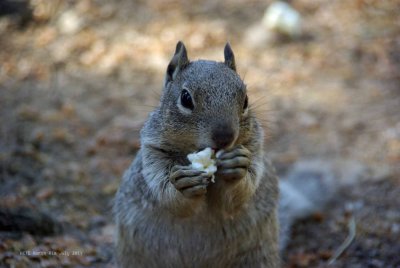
<point>78,79</point>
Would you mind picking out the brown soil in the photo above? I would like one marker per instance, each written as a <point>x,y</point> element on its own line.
<point>73,99</point>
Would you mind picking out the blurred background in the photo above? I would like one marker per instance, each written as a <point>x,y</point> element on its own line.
<point>78,78</point>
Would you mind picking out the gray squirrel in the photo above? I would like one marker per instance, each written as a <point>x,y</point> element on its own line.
<point>171,215</point>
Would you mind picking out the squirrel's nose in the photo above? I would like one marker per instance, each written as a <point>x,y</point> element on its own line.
<point>223,136</point>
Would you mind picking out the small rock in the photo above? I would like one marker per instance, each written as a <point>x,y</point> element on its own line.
<point>70,22</point>
<point>280,17</point>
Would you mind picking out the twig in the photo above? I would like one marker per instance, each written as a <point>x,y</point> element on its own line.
<point>346,243</point>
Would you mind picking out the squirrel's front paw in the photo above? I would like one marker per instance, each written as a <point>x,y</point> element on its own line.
<point>190,182</point>
<point>233,164</point>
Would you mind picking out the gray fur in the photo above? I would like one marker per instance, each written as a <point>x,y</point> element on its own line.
<point>233,223</point>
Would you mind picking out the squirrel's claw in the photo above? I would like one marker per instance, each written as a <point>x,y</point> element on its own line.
<point>236,151</point>
<point>233,165</point>
<point>237,162</point>
<point>183,171</point>
<point>232,174</point>
<point>188,181</point>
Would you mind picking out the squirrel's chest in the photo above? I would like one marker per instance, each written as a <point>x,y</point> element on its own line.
<point>199,241</point>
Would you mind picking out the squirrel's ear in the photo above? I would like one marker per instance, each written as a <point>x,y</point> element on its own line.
<point>178,62</point>
<point>229,57</point>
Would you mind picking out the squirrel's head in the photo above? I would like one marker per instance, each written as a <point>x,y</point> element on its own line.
<point>204,103</point>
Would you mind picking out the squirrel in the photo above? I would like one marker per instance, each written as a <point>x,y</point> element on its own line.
<point>171,215</point>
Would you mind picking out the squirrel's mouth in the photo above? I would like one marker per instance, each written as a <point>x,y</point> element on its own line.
<point>214,149</point>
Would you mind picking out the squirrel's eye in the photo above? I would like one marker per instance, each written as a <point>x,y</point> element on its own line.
<point>246,103</point>
<point>186,100</point>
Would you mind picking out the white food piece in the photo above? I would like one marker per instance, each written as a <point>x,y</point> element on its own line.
<point>282,18</point>
<point>204,161</point>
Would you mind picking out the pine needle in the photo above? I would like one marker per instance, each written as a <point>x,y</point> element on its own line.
<point>349,239</point>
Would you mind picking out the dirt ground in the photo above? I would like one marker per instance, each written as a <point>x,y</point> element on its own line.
<point>77,79</point>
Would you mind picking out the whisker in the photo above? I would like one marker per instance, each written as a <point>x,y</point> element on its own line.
<point>259,99</point>
<point>259,107</point>
<point>264,111</point>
